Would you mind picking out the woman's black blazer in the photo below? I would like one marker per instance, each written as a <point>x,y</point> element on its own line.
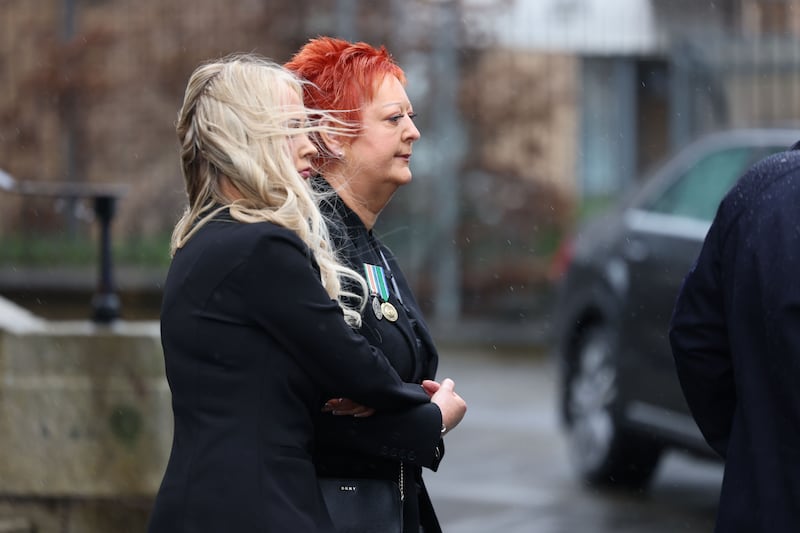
<point>251,340</point>
<point>375,446</point>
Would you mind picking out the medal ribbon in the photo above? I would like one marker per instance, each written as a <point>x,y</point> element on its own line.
<point>394,283</point>
<point>376,280</point>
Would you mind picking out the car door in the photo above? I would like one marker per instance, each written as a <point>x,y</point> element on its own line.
<point>664,233</point>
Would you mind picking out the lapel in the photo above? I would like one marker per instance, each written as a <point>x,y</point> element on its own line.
<point>426,368</point>
<point>352,240</point>
<point>367,253</point>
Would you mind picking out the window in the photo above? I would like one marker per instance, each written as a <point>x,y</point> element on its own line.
<point>698,192</point>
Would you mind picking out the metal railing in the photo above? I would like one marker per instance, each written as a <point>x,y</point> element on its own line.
<point>105,304</point>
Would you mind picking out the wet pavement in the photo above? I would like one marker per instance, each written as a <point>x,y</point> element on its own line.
<point>506,467</point>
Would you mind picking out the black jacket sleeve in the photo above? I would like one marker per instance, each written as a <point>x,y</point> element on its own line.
<point>699,340</point>
<point>412,436</point>
<point>287,299</point>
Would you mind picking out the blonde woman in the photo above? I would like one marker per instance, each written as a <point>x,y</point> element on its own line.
<point>256,328</point>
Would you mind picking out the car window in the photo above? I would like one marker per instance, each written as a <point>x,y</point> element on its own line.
<point>697,193</point>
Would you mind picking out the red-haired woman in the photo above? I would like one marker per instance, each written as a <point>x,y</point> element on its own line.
<point>362,169</point>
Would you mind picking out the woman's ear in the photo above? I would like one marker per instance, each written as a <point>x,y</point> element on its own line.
<point>333,144</point>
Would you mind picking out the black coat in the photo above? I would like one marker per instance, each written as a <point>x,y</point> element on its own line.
<point>735,336</point>
<point>253,346</point>
<point>374,446</point>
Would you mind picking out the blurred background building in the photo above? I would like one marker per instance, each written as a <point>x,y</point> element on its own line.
<point>533,114</point>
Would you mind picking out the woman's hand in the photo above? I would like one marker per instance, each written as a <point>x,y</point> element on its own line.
<point>345,407</point>
<point>452,405</point>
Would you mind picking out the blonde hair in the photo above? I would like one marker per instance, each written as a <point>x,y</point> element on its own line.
<point>235,122</point>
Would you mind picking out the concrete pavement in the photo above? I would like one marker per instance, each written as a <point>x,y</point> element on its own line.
<point>506,467</point>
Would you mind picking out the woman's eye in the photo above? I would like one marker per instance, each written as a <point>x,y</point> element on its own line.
<point>398,117</point>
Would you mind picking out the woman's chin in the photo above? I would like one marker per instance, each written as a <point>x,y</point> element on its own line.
<point>403,179</point>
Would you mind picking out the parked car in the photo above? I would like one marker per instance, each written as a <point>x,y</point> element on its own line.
<point>620,400</point>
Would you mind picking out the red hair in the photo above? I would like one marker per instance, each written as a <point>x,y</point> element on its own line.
<point>345,75</point>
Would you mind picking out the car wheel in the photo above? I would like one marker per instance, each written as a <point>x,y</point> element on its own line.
<point>602,452</point>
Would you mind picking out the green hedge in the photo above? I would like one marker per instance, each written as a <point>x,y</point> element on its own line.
<point>78,251</point>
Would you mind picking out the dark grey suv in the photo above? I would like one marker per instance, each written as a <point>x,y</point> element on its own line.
<point>620,400</point>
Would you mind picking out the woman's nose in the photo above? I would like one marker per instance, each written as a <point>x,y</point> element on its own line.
<point>412,133</point>
<point>308,149</point>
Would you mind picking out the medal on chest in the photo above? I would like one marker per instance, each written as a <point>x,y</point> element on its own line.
<point>379,293</point>
<point>376,307</point>
<point>389,311</point>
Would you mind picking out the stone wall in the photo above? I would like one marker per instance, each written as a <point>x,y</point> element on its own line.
<point>85,424</point>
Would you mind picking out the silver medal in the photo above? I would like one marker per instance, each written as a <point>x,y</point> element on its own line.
<point>376,308</point>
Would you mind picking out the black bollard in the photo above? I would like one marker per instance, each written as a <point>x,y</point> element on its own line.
<point>105,302</point>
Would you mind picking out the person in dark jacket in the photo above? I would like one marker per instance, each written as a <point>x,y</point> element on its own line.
<point>364,169</point>
<point>257,326</point>
<point>735,336</point>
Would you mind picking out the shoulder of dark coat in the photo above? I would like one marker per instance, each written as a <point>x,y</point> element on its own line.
<point>242,239</point>
<point>250,230</point>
